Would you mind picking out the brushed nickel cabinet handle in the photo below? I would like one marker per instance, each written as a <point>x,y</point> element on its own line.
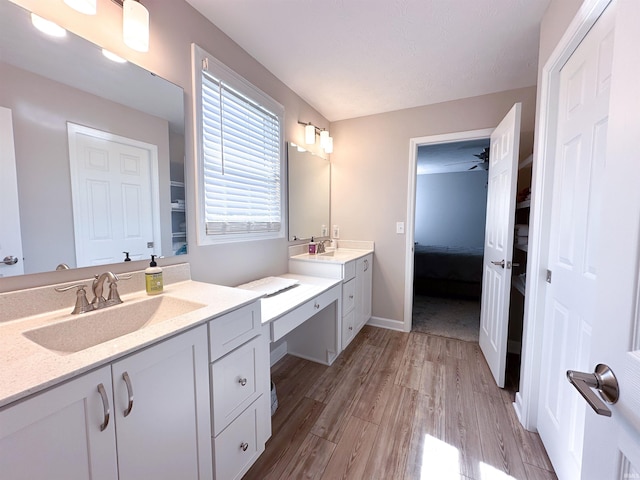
<point>244,446</point>
<point>105,407</point>
<point>127,381</point>
<point>242,381</point>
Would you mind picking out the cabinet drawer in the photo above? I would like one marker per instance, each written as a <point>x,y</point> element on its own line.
<point>235,449</point>
<point>348,296</point>
<point>233,329</point>
<point>283,325</point>
<point>237,381</point>
<point>348,328</point>
<point>349,270</point>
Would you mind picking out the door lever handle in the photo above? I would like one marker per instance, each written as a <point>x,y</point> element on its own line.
<point>500,263</point>
<point>603,380</point>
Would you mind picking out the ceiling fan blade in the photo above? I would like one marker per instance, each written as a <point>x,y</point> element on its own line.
<point>475,166</point>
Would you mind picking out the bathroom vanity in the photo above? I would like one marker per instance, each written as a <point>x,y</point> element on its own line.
<point>352,263</point>
<point>138,405</point>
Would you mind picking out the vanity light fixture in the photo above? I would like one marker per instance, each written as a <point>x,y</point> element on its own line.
<point>47,26</point>
<point>88,7</point>
<point>310,132</point>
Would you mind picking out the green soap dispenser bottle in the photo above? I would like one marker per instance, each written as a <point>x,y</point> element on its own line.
<point>153,277</point>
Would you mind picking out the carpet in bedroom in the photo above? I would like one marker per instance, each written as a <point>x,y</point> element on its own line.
<point>447,317</point>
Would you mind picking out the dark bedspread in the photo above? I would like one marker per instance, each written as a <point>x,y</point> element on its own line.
<point>450,263</point>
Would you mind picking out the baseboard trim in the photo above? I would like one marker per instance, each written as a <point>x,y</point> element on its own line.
<point>387,323</point>
<point>278,353</point>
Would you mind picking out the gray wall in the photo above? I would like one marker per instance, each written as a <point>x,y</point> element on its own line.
<point>451,209</point>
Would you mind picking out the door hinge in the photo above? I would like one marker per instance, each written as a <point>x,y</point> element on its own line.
<point>548,276</point>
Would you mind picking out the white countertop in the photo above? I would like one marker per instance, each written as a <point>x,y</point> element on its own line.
<point>308,287</point>
<point>26,367</point>
<point>340,256</point>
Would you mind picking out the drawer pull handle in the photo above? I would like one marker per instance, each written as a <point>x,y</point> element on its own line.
<point>350,297</point>
<point>316,306</point>
<point>127,381</point>
<point>242,381</point>
<point>244,446</point>
<point>105,407</point>
<point>350,328</point>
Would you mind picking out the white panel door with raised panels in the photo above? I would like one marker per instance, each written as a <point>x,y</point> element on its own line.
<point>498,244</point>
<point>583,114</point>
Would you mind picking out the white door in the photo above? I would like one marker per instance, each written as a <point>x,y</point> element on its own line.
<point>10,238</point>
<point>612,445</point>
<point>582,124</point>
<point>115,197</point>
<point>498,244</point>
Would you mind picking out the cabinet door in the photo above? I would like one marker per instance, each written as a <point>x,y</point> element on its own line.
<point>57,433</point>
<point>161,403</point>
<point>364,279</point>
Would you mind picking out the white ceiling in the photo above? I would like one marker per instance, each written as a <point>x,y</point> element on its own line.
<point>350,58</point>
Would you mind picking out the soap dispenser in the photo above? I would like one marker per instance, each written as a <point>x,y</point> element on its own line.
<point>312,247</point>
<point>153,277</point>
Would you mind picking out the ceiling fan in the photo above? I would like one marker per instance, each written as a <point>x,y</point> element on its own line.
<point>484,157</point>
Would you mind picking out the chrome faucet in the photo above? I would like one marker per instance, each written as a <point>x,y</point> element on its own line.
<point>322,246</point>
<point>98,287</point>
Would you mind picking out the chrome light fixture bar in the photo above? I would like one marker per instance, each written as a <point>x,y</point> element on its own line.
<point>310,132</point>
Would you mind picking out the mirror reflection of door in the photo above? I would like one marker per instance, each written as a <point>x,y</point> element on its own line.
<point>115,198</point>
<point>10,237</point>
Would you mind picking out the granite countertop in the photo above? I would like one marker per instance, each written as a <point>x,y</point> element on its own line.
<point>28,368</point>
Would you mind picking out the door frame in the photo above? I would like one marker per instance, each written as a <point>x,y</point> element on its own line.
<point>414,143</point>
<point>527,398</point>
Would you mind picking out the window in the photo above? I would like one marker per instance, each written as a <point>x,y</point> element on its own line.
<point>239,156</point>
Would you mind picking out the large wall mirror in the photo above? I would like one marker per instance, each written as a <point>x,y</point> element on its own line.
<point>99,150</point>
<point>309,180</point>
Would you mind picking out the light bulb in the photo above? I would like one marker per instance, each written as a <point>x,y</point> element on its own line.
<point>324,138</point>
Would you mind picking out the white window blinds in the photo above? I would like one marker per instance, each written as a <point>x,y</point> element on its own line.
<point>241,165</point>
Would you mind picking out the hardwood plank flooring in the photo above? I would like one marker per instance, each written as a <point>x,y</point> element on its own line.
<point>397,406</point>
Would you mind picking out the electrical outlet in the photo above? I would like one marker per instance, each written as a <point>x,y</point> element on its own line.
<point>400,227</point>
<point>336,231</point>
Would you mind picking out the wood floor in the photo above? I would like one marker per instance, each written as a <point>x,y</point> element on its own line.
<point>397,406</point>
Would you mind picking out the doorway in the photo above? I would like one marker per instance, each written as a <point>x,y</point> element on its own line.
<point>449,230</point>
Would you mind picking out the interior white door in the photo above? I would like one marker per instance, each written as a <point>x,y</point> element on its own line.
<point>612,445</point>
<point>10,238</point>
<point>582,124</point>
<point>115,199</point>
<point>498,244</point>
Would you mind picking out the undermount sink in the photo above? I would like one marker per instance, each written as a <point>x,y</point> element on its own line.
<point>329,253</point>
<point>93,328</point>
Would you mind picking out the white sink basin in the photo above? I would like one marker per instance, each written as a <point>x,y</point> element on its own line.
<point>329,253</point>
<point>87,330</point>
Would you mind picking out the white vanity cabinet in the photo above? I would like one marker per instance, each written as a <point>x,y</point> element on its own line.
<point>355,270</point>
<point>240,386</point>
<point>154,424</point>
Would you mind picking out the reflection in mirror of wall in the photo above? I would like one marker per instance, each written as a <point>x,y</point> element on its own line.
<point>49,84</point>
<point>309,183</point>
